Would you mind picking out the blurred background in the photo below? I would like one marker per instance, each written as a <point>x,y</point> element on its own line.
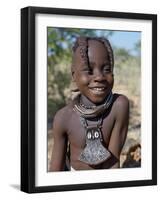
<point>127,73</point>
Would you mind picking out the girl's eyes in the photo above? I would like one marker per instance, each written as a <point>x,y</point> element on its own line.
<point>107,69</point>
<point>89,70</point>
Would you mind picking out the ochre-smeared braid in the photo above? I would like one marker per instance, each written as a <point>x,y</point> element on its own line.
<point>109,50</point>
<point>82,42</point>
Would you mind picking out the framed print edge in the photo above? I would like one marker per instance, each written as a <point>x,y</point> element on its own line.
<point>27,101</point>
<point>28,169</point>
<point>154,99</point>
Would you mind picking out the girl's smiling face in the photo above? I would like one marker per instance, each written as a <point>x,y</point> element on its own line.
<point>95,79</point>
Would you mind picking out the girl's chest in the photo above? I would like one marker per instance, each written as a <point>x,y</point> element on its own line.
<point>80,130</point>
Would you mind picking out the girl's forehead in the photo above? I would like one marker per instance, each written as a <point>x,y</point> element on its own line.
<point>97,48</point>
<point>93,47</point>
<point>96,44</point>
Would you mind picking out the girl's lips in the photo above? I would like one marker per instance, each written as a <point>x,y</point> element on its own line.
<point>98,90</point>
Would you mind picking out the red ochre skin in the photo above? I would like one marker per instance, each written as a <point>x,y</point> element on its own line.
<point>66,124</point>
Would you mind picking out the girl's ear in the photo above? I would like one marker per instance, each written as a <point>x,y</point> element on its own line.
<point>74,87</point>
<point>73,75</point>
<point>112,80</point>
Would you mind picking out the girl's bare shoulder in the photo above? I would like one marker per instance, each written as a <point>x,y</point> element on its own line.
<point>120,104</point>
<point>120,100</point>
<point>64,113</point>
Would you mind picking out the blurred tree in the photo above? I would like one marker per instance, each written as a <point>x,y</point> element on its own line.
<point>120,56</point>
<point>137,48</point>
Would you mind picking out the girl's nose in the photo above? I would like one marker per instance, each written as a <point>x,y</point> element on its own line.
<point>98,76</point>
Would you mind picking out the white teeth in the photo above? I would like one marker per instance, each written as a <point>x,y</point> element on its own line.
<point>98,89</point>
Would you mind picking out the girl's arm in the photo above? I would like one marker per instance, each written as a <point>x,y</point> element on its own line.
<point>60,144</point>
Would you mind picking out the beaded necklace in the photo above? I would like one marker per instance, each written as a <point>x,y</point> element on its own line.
<point>89,112</point>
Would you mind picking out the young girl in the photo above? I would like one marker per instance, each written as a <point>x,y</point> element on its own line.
<point>95,123</point>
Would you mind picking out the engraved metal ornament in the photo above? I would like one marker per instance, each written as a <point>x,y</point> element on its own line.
<point>94,152</point>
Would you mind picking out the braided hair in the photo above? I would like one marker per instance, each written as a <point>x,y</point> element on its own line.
<point>82,43</point>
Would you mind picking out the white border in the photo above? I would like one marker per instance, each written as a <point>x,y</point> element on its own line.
<point>62,178</point>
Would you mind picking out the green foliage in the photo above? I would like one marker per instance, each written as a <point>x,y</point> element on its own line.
<point>127,76</point>
<point>137,48</point>
<point>120,56</point>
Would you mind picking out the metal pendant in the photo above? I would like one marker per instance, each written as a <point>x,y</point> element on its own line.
<point>94,152</point>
